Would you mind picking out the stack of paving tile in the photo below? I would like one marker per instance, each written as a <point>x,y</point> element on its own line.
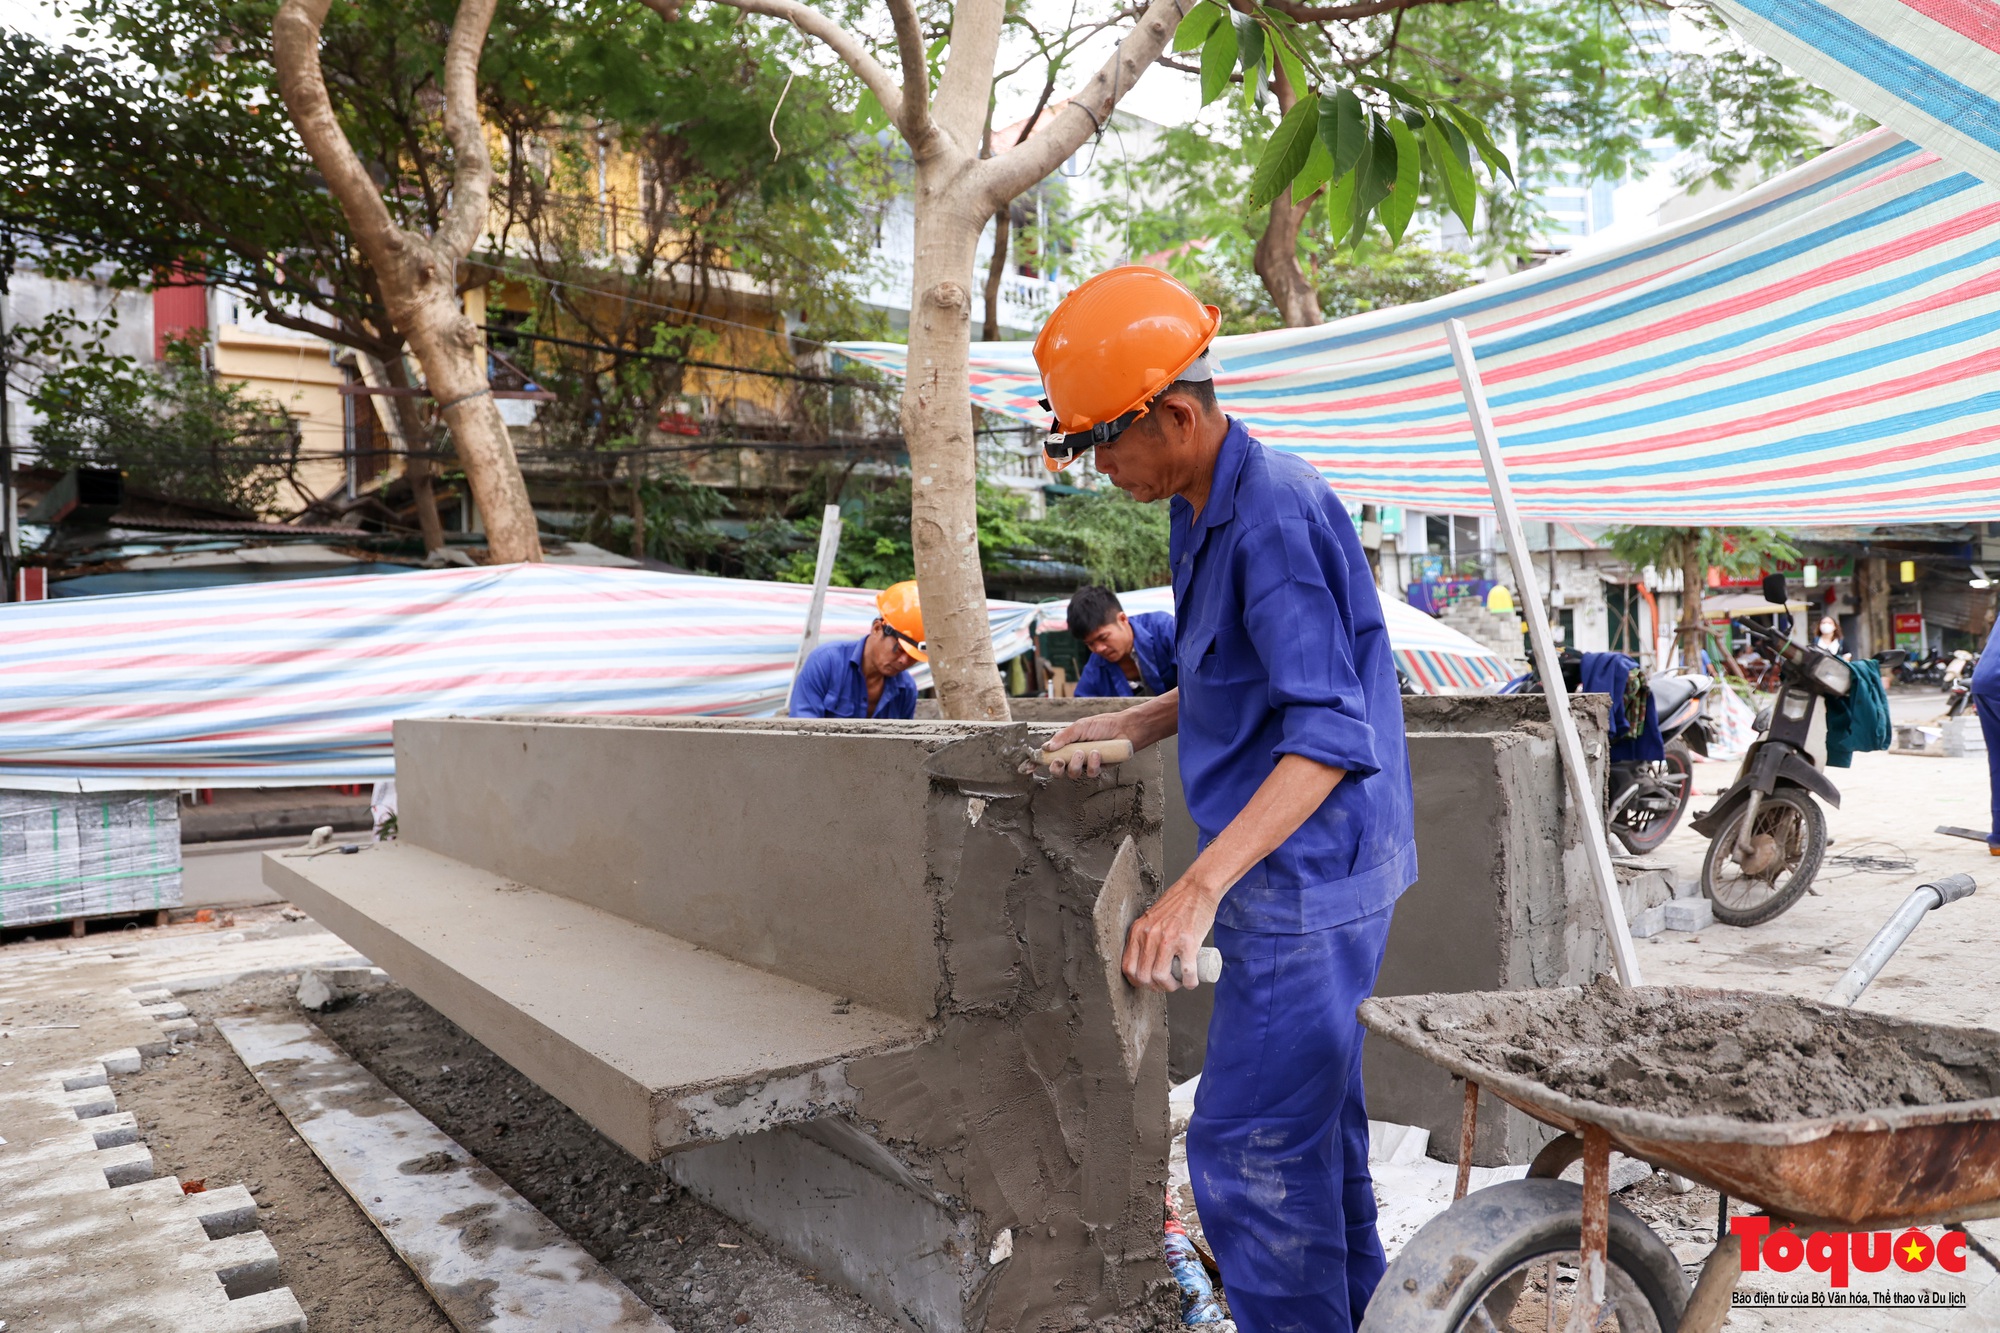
<point>65,855</point>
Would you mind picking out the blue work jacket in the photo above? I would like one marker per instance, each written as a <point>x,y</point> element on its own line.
<point>1282,650</point>
<point>831,684</point>
<point>1152,644</point>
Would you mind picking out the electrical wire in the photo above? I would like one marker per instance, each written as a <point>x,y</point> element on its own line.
<point>1889,860</point>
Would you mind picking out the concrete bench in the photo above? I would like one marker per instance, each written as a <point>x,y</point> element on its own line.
<point>853,1005</point>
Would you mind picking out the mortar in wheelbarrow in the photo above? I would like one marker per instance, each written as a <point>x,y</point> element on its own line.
<point>1812,1113</point>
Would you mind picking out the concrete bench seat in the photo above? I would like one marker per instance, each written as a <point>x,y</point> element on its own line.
<point>657,1042</point>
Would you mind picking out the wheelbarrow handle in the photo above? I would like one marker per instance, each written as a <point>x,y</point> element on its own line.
<point>1951,888</point>
<point>1924,898</point>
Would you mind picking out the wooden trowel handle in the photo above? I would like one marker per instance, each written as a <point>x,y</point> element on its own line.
<point>1111,752</point>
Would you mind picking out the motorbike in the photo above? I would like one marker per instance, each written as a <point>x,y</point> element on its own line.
<point>1958,682</point>
<point>1644,799</point>
<point>1767,833</point>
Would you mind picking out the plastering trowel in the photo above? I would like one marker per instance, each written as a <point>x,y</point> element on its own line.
<point>1000,760</point>
<point>1134,1012</point>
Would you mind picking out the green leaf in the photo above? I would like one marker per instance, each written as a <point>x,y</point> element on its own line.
<point>1253,86</point>
<point>1452,157</point>
<point>1285,152</point>
<point>1196,27</point>
<point>1481,140</point>
<point>1340,205</point>
<point>1218,62</point>
<point>1343,126</point>
<point>1396,90</point>
<point>1401,201</point>
<point>1249,44</point>
<point>1317,171</point>
<point>1375,174</point>
<point>868,112</point>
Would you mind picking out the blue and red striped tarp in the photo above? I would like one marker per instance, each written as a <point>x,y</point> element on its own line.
<point>1928,69</point>
<point>1821,349</point>
<point>297,683</point>
<point>1438,658</point>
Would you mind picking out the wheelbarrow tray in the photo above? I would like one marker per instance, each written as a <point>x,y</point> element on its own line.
<point>1901,1165</point>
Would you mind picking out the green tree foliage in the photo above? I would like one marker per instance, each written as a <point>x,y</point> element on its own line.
<point>173,430</point>
<point>1694,551</point>
<point>156,144</point>
<point>1563,86</point>
<point>1120,542</point>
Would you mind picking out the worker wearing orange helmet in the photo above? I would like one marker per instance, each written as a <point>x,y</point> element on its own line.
<point>1296,772</point>
<point>869,676</point>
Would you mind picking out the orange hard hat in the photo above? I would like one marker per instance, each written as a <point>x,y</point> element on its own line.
<point>904,615</point>
<point>1110,346</point>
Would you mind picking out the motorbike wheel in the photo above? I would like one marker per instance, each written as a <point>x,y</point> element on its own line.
<point>1651,809</point>
<point>1959,699</point>
<point>1741,896</point>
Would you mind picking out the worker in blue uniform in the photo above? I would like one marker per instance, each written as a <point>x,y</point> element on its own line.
<point>1986,699</point>
<point>1296,771</point>
<point>1128,654</point>
<point>870,676</point>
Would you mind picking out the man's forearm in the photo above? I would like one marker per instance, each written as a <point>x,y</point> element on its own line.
<point>1282,802</point>
<point>1153,721</point>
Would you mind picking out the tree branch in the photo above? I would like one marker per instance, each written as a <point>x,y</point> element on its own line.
<point>295,33</point>
<point>465,219</point>
<point>915,118</point>
<point>1087,110</point>
<point>965,92</point>
<point>814,24</point>
<point>1305,13</point>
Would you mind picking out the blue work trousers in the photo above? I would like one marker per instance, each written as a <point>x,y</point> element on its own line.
<point>1278,1145</point>
<point>1989,726</point>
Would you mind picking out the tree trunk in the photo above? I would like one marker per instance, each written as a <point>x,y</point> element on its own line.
<point>1694,580</point>
<point>1276,258</point>
<point>638,510</point>
<point>454,360</point>
<point>1871,588</point>
<point>418,273</point>
<point>996,271</point>
<point>414,434</point>
<point>937,429</point>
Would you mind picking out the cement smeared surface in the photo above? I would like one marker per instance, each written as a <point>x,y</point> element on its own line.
<point>1764,1058</point>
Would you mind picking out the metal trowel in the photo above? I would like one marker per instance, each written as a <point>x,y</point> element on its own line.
<point>1135,1013</point>
<point>1000,761</point>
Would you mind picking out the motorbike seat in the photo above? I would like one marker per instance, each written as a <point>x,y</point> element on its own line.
<point>1671,691</point>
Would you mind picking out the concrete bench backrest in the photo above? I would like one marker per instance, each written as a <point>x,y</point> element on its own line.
<point>804,860</point>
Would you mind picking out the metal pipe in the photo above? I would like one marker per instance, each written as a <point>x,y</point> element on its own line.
<point>1922,899</point>
<point>1584,798</point>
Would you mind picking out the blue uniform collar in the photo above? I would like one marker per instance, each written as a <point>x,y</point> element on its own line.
<point>1188,528</point>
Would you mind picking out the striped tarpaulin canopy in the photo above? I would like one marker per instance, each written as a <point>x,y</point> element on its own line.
<point>1929,69</point>
<point>297,682</point>
<point>1821,349</point>
<point>1438,659</point>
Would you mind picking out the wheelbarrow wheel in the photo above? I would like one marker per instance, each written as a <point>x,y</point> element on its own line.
<point>1483,1265</point>
<point>1790,839</point>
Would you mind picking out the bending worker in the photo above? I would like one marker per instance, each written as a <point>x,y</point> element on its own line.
<point>869,677</point>
<point>1128,654</point>
<point>1297,775</point>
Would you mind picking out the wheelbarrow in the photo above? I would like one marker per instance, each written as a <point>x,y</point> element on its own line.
<point>1489,1262</point>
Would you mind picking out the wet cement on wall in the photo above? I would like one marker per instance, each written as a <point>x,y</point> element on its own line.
<point>1502,899</point>
<point>1022,1110</point>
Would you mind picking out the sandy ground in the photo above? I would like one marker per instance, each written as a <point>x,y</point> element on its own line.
<point>205,1117</point>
